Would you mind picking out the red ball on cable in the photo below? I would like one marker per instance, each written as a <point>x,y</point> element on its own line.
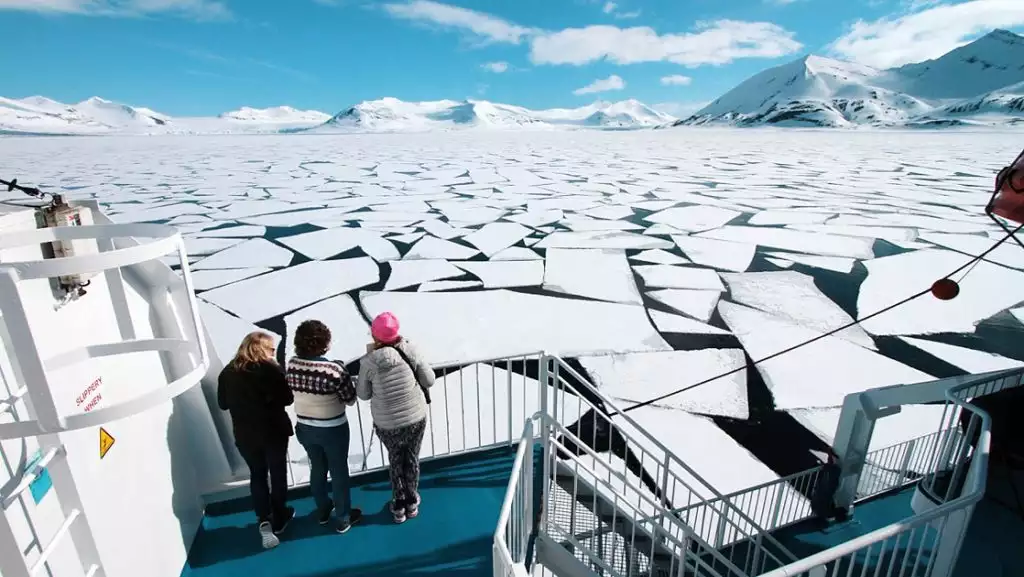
<point>945,289</point>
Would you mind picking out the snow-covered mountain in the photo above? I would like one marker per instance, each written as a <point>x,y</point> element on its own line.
<point>39,115</point>
<point>975,84</point>
<point>277,115</point>
<point>393,115</point>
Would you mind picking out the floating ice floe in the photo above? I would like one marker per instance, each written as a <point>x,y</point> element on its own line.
<point>1008,254</point>
<point>517,253</point>
<point>601,239</point>
<point>226,331</point>
<point>602,274</point>
<point>326,243</point>
<point>970,360</point>
<point>808,242</point>
<point>637,377</point>
<point>986,290</point>
<point>781,263</point>
<point>718,254</point>
<point>776,217</point>
<point>699,304</point>
<point>834,263</point>
<point>256,252</point>
<point>818,374</point>
<point>693,218</point>
<point>794,296</point>
<point>658,256</point>
<point>405,273</point>
<point>497,236</point>
<point>672,276</point>
<point>670,323</point>
<point>457,326</point>
<point>430,247</point>
<point>891,234</point>
<point>443,285</point>
<point>501,274</point>
<point>284,290</point>
<point>204,246</point>
<point>240,231</point>
<point>208,279</point>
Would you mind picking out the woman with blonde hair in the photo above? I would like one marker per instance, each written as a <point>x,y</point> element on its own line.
<point>253,389</point>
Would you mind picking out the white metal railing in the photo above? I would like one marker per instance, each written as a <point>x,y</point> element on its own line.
<point>929,543</point>
<point>677,487</point>
<point>515,522</point>
<point>772,505</point>
<point>475,405</point>
<point>902,464</point>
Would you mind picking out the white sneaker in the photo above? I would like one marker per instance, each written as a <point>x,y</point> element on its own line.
<point>267,535</point>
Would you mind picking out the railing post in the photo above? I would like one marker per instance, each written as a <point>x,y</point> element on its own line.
<point>545,438</point>
<point>907,456</point>
<point>527,482</point>
<point>852,439</point>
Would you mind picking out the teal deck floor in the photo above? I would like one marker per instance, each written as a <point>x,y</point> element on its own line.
<point>453,534</point>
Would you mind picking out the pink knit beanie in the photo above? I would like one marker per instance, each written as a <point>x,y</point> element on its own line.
<point>384,328</point>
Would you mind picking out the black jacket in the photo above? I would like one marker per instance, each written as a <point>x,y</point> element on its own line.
<point>256,396</point>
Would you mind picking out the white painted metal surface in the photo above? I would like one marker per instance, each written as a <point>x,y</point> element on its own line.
<point>68,528</point>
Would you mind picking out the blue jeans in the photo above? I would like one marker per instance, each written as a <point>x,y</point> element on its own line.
<point>327,448</point>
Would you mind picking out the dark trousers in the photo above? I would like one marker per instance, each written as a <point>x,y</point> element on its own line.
<point>403,446</point>
<point>269,461</point>
<point>327,448</point>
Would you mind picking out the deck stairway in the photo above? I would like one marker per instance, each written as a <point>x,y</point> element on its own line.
<point>599,517</point>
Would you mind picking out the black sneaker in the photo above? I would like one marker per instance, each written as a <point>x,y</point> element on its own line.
<point>281,524</point>
<point>354,516</point>
<point>324,517</point>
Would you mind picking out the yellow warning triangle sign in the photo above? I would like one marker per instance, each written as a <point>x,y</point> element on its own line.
<point>106,442</point>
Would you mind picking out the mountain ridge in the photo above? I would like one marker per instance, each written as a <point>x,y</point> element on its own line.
<point>42,115</point>
<point>980,83</point>
<point>977,84</point>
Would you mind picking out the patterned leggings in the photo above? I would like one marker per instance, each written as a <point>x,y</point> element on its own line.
<point>403,446</point>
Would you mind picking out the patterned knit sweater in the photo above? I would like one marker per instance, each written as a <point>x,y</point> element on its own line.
<point>322,390</point>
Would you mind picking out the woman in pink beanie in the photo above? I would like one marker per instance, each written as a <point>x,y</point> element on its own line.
<point>395,378</point>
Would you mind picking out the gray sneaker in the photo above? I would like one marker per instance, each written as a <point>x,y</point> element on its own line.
<point>267,536</point>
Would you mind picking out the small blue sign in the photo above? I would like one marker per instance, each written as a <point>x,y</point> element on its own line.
<point>41,485</point>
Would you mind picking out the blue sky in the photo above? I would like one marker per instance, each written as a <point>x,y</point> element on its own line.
<point>203,57</point>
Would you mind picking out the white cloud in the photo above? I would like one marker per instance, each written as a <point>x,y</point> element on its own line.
<point>613,82</point>
<point>627,15</point>
<point>676,80</point>
<point>485,26</point>
<point>925,33</point>
<point>609,7</point>
<point>718,42</point>
<point>495,67</point>
<point>200,9</point>
<point>680,109</point>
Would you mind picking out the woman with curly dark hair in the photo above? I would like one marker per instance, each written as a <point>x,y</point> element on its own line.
<point>323,389</point>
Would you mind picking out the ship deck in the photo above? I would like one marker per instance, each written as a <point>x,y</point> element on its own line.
<point>453,535</point>
<point>991,548</point>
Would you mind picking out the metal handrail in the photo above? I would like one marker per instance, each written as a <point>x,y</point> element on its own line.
<point>716,496</point>
<point>977,482</point>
